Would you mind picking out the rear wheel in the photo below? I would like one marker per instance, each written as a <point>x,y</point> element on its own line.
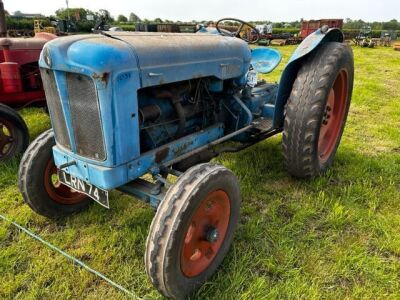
<point>14,135</point>
<point>317,109</point>
<point>192,230</point>
<point>39,184</point>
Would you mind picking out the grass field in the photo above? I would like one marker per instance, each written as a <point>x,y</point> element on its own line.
<point>336,236</point>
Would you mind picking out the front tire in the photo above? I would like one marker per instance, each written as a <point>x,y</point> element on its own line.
<point>192,230</point>
<point>14,135</point>
<point>317,109</point>
<point>39,185</point>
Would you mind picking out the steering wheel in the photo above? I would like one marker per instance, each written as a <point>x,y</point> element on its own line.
<point>250,40</point>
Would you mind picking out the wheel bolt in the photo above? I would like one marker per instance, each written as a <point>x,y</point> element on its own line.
<point>210,204</point>
<point>328,108</point>
<point>196,255</point>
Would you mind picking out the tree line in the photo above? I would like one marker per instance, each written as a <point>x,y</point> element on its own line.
<point>85,19</point>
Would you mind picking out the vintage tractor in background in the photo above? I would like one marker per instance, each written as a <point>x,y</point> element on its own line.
<point>364,38</point>
<point>123,105</point>
<point>387,37</point>
<point>20,86</point>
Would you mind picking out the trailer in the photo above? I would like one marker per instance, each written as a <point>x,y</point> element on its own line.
<point>308,27</point>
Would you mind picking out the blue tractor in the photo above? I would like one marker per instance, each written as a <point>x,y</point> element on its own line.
<point>123,105</point>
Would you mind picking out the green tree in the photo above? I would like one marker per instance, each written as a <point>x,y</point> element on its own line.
<point>391,25</point>
<point>122,18</point>
<point>62,13</point>
<point>295,24</point>
<point>104,13</point>
<point>354,24</point>
<point>376,26</point>
<point>133,18</point>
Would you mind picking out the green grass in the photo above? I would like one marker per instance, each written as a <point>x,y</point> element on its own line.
<point>336,236</point>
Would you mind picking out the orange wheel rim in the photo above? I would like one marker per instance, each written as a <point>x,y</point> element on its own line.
<point>206,233</point>
<point>334,113</point>
<point>57,191</point>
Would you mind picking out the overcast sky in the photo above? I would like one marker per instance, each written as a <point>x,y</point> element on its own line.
<point>279,10</point>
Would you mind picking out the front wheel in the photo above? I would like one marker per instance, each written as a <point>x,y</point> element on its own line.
<point>192,229</point>
<point>39,184</point>
<point>317,109</point>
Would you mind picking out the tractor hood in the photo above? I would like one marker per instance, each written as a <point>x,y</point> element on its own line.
<point>159,58</point>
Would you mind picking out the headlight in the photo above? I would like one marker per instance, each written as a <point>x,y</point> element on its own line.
<point>46,57</point>
<point>251,78</point>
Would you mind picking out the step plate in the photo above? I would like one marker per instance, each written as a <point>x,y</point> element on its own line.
<point>263,124</point>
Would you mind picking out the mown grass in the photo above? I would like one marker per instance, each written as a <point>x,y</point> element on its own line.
<point>336,236</point>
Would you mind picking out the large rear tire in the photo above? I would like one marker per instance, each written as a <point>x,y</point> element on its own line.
<point>39,185</point>
<point>317,109</point>
<point>192,230</point>
<point>14,135</point>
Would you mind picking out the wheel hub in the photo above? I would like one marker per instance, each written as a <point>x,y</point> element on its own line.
<point>333,117</point>
<point>6,138</point>
<point>206,233</point>
<point>57,191</point>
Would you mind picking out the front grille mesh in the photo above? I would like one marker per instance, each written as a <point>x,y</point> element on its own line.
<point>55,108</point>
<point>85,114</point>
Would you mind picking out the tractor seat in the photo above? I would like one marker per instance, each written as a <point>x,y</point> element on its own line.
<point>265,60</point>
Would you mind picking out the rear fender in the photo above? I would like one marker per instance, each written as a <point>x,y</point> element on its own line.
<point>289,74</point>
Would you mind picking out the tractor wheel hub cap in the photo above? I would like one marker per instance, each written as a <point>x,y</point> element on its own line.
<point>212,235</point>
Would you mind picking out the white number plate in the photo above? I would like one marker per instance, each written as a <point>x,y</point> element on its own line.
<point>97,194</point>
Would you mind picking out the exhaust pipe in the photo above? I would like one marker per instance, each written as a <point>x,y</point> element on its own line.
<point>3,25</point>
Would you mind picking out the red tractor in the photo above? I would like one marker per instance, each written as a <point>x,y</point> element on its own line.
<point>20,86</point>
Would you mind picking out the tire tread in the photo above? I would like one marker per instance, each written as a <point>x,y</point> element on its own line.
<point>304,107</point>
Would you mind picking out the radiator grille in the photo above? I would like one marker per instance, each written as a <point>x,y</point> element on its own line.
<point>85,114</point>
<point>55,108</point>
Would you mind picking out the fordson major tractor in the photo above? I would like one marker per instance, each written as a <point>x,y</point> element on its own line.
<point>20,86</point>
<point>123,105</point>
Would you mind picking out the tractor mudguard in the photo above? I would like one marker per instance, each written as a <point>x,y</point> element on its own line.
<point>288,77</point>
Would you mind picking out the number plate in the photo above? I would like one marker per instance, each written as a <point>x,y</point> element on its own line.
<point>97,194</point>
